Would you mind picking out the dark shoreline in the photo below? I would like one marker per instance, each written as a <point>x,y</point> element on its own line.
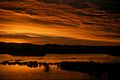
<point>41,50</point>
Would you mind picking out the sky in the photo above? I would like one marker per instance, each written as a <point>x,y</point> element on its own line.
<point>40,22</point>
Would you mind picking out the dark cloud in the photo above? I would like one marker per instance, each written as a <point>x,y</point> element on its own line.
<point>53,22</point>
<point>9,0</point>
<point>10,16</point>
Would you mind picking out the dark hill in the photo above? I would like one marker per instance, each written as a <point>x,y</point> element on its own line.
<point>38,50</point>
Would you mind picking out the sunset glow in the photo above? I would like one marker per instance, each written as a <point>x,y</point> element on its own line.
<point>56,24</point>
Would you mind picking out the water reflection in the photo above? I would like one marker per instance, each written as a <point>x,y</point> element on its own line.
<point>59,67</point>
<point>96,71</point>
<point>31,64</point>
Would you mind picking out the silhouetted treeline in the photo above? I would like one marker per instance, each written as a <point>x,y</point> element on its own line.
<point>38,50</point>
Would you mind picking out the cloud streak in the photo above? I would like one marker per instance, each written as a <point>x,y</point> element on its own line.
<point>40,39</point>
<point>41,23</point>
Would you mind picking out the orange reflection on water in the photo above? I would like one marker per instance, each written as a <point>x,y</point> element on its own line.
<point>46,72</point>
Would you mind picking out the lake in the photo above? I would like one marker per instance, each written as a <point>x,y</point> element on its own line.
<point>59,67</point>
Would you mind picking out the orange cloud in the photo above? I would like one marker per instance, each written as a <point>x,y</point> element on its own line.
<point>51,23</point>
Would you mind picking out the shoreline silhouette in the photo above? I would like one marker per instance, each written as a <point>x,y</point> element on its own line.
<point>41,50</point>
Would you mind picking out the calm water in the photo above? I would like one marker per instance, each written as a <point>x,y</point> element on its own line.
<point>50,67</point>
